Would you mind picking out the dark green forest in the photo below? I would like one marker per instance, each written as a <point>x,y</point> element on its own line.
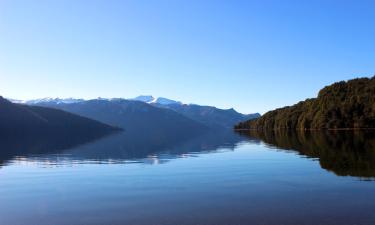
<point>342,105</point>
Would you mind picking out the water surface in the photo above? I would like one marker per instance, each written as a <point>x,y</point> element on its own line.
<point>217,178</point>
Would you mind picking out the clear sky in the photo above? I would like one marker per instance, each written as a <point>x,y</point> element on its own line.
<point>253,56</point>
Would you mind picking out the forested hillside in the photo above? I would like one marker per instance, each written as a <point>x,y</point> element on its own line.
<point>341,105</point>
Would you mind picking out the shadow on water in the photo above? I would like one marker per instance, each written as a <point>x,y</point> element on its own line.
<point>145,147</point>
<point>346,153</point>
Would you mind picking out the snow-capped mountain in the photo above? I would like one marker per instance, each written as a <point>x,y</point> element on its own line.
<point>133,116</point>
<point>47,100</point>
<point>166,101</point>
<point>143,98</point>
<point>15,101</point>
<point>207,115</point>
<point>150,99</point>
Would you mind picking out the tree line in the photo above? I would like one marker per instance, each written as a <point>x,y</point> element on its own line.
<point>346,104</point>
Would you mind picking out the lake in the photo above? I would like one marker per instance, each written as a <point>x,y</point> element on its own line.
<point>221,178</point>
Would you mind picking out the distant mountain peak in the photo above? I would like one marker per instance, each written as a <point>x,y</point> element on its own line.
<point>209,116</point>
<point>166,101</point>
<point>47,100</point>
<point>150,99</point>
<point>144,98</point>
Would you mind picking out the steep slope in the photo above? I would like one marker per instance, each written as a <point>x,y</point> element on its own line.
<point>135,116</point>
<point>342,105</point>
<point>22,120</point>
<point>208,115</point>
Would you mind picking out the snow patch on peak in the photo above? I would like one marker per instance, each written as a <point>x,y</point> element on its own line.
<point>51,100</point>
<point>144,98</point>
<point>15,100</point>
<point>151,100</point>
<point>165,101</point>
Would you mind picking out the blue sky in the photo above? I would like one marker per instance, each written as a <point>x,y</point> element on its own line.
<point>253,56</point>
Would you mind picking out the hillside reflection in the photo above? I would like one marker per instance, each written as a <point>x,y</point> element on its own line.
<point>121,147</point>
<point>346,153</point>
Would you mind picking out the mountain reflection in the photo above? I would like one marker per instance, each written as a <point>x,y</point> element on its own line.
<point>346,153</point>
<point>123,147</point>
<point>15,146</point>
<point>146,148</point>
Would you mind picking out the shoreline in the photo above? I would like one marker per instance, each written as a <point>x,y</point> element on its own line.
<point>286,129</point>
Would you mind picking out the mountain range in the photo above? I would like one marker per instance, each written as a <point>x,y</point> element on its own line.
<point>134,117</point>
<point>130,113</point>
<point>33,122</point>
<point>53,124</point>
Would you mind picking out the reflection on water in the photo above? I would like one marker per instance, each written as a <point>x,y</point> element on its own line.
<point>346,153</point>
<point>11,147</point>
<point>218,178</point>
<point>122,147</point>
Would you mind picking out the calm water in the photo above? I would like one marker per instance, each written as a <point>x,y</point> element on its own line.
<point>222,178</point>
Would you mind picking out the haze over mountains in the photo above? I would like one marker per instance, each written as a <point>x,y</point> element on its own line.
<point>147,112</point>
